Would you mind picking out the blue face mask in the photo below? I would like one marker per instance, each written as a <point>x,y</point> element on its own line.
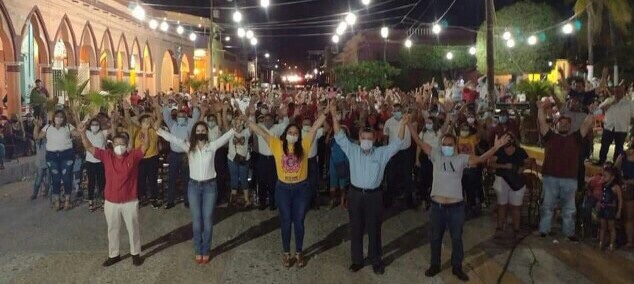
<point>503,119</point>
<point>181,120</point>
<point>397,115</point>
<point>447,151</point>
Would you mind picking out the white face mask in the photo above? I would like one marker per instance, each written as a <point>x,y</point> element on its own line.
<point>292,139</point>
<point>94,128</point>
<point>366,144</point>
<point>464,133</point>
<point>306,128</point>
<point>470,120</point>
<point>120,149</point>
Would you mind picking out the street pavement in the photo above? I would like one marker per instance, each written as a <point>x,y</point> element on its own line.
<point>40,245</point>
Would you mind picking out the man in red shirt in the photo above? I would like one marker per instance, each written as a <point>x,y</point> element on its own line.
<point>121,171</point>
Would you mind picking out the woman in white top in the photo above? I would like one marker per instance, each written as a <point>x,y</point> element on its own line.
<point>94,167</point>
<point>60,156</point>
<point>202,189</point>
<point>430,134</point>
<point>239,157</point>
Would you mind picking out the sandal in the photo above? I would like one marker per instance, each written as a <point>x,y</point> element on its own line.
<point>57,205</point>
<point>299,258</point>
<point>286,259</point>
<point>91,206</point>
<point>205,259</point>
<point>67,205</point>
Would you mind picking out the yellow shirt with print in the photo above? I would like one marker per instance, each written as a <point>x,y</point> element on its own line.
<point>152,150</point>
<point>289,168</point>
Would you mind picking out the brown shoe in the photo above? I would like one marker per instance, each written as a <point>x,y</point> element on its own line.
<point>299,258</point>
<point>286,260</point>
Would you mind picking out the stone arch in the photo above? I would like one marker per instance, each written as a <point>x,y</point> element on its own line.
<point>65,36</point>
<point>106,55</point>
<point>184,68</point>
<point>7,55</point>
<point>148,70</point>
<point>34,52</point>
<point>136,65</point>
<point>169,71</point>
<point>41,37</point>
<point>88,45</point>
<point>121,58</point>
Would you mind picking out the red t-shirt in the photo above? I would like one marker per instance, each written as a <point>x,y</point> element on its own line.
<point>134,99</point>
<point>561,154</point>
<point>121,174</point>
<point>469,95</point>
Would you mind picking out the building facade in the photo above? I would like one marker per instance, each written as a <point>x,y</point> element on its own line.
<point>41,39</point>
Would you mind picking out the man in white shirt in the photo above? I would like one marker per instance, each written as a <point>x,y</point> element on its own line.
<point>619,112</point>
<point>265,164</point>
<point>399,169</point>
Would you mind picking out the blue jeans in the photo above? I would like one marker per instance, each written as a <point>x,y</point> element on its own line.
<point>443,217</point>
<point>177,166</point>
<point>202,200</point>
<point>562,190</point>
<point>60,165</point>
<point>239,175</point>
<point>41,176</point>
<point>292,200</point>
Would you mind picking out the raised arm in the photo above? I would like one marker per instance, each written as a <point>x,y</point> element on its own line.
<point>257,129</point>
<point>422,145</point>
<point>81,128</point>
<point>173,139</point>
<point>167,116</point>
<point>588,124</point>
<point>499,143</point>
<point>318,123</point>
<point>562,79</point>
<point>541,119</point>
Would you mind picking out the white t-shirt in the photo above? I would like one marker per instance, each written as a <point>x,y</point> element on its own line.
<point>98,140</point>
<point>430,137</point>
<point>391,130</point>
<point>447,174</point>
<point>58,140</point>
<point>213,133</point>
<point>313,147</point>
<point>239,148</point>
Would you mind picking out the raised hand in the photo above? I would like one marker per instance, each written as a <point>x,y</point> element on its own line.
<point>501,141</point>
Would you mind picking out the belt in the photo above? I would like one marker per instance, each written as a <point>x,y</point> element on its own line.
<point>448,205</point>
<point>202,181</point>
<point>366,190</point>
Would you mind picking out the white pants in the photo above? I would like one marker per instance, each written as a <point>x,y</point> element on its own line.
<point>130,213</point>
<point>506,195</point>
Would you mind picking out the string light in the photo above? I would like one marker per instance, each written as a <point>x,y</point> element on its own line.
<point>254,41</point>
<point>472,50</point>
<point>568,28</point>
<point>384,32</point>
<point>341,28</point>
<point>164,26</point>
<point>153,24</point>
<point>138,12</point>
<point>265,3</point>
<point>365,2</point>
<point>249,34</point>
<point>227,38</point>
<point>267,55</point>
<point>532,40</point>
<point>449,55</point>
<point>241,32</point>
<point>335,38</point>
<point>436,29</point>
<point>351,18</point>
<point>237,16</point>
<point>192,36</point>
<point>180,30</point>
<point>506,35</point>
<point>510,43</point>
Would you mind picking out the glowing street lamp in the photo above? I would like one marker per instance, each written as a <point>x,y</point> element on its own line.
<point>153,24</point>
<point>265,3</point>
<point>408,43</point>
<point>472,50</point>
<point>449,55</point>
<point>241,32</point>
<point>237,16</point>
<point>385,32</point>
<point>335,38</point>
<point>351,18</point>
<point>192,36</point>
<point>138,12</point>
<point>436,28</point>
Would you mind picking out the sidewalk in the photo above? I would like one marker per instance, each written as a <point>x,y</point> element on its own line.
<point>17,170</point>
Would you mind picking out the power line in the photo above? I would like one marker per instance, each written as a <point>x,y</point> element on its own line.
<point>191,7</point>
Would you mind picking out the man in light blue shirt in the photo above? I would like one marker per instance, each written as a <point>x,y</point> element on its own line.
<point>365,199</point>
<point>177,159</point>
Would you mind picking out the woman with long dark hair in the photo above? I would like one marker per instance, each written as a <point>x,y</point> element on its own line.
<point>202,189</point>
<point>94,167</point>
<point>292,192</point>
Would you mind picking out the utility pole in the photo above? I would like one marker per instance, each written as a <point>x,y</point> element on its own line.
<point>490,53</point>
<point>212,31</point>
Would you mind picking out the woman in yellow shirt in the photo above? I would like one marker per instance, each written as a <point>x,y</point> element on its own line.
<point>292,192</point>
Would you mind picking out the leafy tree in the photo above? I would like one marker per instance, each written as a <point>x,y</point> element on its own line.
<point>522,20</point>
<point>78,101</point>
<point>434,58</point>
<point>197,84</point>
<point>367,74</point>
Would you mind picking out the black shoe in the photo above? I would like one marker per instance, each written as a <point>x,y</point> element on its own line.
<point>111,261</point>
<point>460,274</point>
<point>378,268</point>
<point>573,239</point>
<point>169,205</point>
<point>186,204</point>
<point>543,235</point>
<point>155,204</point>
<point>137,260</point>
<point>272,208</point>
<point>33,197</point>
<point>355,267</point>
<point>432,271</point>
<point>262,206</point>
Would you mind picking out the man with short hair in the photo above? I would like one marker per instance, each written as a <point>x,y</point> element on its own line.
<point>619,111</point>
<point>399,169</point>
<point>121,169</point>
<point>560,170</point>
<point>365,199</point>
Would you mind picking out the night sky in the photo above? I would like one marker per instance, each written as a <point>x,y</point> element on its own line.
<point>289,31</point>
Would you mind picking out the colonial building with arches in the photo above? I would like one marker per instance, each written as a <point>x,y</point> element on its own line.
<point>39,39</point>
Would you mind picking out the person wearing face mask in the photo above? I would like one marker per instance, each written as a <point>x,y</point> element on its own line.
<point>560,170</point>
<point>238,161</point>
<point>292,191</point>
<point>448,207</point>
<point>202,190</point>
<point>98,138</point>
<point>313,165</point>
<point>265,162</point>
<point>121,167</point>
<point>504,125</point>
<point>472,176</point>
<point>365,199</point>
<point>181,128</point>
<point>399,169</point>
<point>60,156</point>
<point>430,134</point>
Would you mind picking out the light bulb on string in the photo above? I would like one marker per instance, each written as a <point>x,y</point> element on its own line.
<point>384,32</point>
<point>532,40</point>
<point>506,35</point>
<point>138,12</point>
<point>351,18</point>
<point>510,43</point>
<point>254,41</point>
<point>472,50</point>
<point>335,38</point>
<point>365,2</point>
<point>180,30</point>
<point>341,28</point>
<point>265,3</point>
<point>237,16</point>
<point>164,26</point>
<point>568,28</point>
<point>192,36</point>
<point>449,55</point>
<point>153,24</point>
<point>408,43</point>
<point>249,34</point>
<point>436,28</point>
<point>241,32</point>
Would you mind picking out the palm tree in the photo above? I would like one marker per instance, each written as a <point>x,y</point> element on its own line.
<point>78,100</point>
<point>620,15</point>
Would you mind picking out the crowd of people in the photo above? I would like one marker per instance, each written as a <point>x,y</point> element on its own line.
<point>369,149</point>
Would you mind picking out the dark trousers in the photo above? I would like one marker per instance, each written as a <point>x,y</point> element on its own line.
<point>366,213</point>
<point>96,177</point>
<point>222,173</point>
<point>442,217</point>
<point>178,167</point>
<point>606,140</point>
<point>472,186</point>
<point>292,204</point>
<point>313,178</point>
<point>148,178</point>
<point>267,177</point>
<point>426,177</point>
<point>399,176</point>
